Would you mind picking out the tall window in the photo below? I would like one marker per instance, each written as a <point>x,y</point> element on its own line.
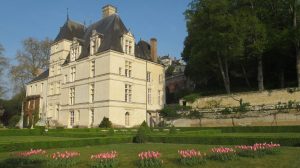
<point>148,76</point>
<point>56,111</point>
<point>52,70</point>
<point>159,97</point>
<point>72,96</point>
<point>42,87</point>
<point>120,71</point>
<point>128,47</point>
<point>127,119</point>
<point>72,118</point>
<point>149,96</point>
<point>92,114</point>
<point>128,68</point>
<point>73,74</point>
<point>92,93</point>
<point>51,89</point>
<point>92,68</point>
<point>128,93</point>
<point>57,87</point>
<point>66,79</point>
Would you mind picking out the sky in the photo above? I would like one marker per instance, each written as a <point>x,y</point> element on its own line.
<point>162,19</point>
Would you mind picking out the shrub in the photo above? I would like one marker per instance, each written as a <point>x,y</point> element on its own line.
<point>104,160</point>
<point>105,123</point>
<point>191,157</point>
<point>13,121</point>
<point>173,130</point>
<point>149,159</point>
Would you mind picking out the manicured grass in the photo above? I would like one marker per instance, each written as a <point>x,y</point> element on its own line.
<point>289,157</point>
<point>17,139</point>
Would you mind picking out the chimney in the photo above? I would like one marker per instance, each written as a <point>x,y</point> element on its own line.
<point>108,10</point>
<point>153,44</point>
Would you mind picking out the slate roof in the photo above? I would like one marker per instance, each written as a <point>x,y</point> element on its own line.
<point>42,76</point>
<point>70,30</point>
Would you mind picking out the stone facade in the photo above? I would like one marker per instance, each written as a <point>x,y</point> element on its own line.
<point>91,77</point>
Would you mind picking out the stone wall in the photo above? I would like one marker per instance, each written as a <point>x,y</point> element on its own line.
<point>271,97</point>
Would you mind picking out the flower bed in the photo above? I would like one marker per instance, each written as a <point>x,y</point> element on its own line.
<point>257,150</point>
<point>223,154</point>
<point>149,159</point>
<point>191,157</point>
<point>64,159</point>
<point>103,160</point>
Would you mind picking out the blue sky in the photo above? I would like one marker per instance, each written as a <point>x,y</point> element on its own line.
<point>162,19</point>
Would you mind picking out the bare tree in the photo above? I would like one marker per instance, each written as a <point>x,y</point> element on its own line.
<point>3,65</point>
<point>31,60</point>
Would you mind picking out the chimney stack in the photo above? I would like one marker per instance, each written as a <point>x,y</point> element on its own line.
<point>108,10</point>
<point>153,44</point>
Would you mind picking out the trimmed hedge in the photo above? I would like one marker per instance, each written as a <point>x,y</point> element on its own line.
<point>76,135</point>
<point>64,144</point>
<point>228,140</point>
<point>258,129</point>
<point>20,132</point>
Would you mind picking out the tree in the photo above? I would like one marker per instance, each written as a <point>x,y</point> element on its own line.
<point>31,60</point>
<point>105,123</point>
<point>294,7</point>
<point>3,65</point>
<point>213,36</point>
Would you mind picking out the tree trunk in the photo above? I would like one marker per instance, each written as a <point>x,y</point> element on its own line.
<point>225,75</point>
<point>296,41</point>
<point>245,76</point>
<point>260,77</point>
<point>281,78</point>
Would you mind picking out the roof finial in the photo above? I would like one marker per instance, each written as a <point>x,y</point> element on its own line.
<point>67,14</point>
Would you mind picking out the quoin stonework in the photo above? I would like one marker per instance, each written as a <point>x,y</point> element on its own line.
<point>98,71</point>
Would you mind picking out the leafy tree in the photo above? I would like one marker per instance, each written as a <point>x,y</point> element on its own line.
<point>31,60</point>
<point>3,65</point>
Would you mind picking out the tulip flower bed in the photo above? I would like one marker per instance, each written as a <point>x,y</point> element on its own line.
<point>64,159</point>
<point>104,160</point>
<point>149,159</point>
<point>33,156</point>
<point>257,150</point>
<point>191,157</point>
<point>223,154</point>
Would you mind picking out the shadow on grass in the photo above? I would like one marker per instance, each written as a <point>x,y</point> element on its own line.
<point>22,163</point>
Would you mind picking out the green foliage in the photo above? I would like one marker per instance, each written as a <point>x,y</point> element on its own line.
<point>172,111</point>
<point>191,97</point>
<point>142,133</point>
<point>173,130</point>
<point>105,123</point>
<point>13,121</point>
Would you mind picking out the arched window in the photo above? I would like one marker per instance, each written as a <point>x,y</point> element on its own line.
<point>126,119</point>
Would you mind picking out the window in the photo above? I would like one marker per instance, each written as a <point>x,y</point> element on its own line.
<point>92,114</point>
<point>52,70</point>
<point>94,42</point>
<point>92,93</point>
<point>72,96</point>
<point>120,71</point>
<point>128,93</point>
<point>30,90</point>
<point>72,119</point>
<point>35,88</point>
<point>149,96</point>
<point>66,79</point>
<point>127,119</point>
<point>148,76</point>
<point>42,87</point>
<point>56,111</point>
<point>128,68</point>
<point>75,50</point>
<point>51,89</point>
<point>159,97</point>
<point>72,74</point>
<point>128,48</point>
<point>160,78</point>
<point>77,117</point>
<point>57,87</point>
<point>92,69</point>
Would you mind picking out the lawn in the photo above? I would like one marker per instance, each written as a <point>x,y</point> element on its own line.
<point>289,157</point>
<point>17,139</point>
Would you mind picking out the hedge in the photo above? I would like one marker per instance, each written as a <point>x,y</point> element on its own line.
<point>20,132</point>
<point>228,140</point>
<point>65,143</point>
<point>76,135</point>
<point>258,129</point>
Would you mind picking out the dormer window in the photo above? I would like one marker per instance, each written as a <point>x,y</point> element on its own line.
<point>75,50</point>
<point>95,42</point>
<point>128,43</point>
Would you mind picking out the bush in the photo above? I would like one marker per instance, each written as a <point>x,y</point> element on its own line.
<point>173,130</point>
<point>141,136</point>
<point>105,123</point>
<point>13,121</point>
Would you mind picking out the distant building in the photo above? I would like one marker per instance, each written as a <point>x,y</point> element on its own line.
<point>98,71</point>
